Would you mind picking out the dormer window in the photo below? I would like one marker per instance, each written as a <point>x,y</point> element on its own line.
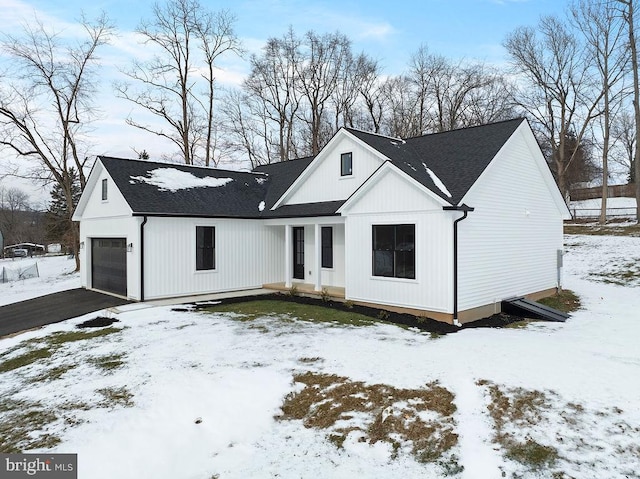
<point>346,164</point>
<point>104,190</point>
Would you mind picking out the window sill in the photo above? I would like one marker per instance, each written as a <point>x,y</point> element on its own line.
<point>205,271</point>
<point>346,177</point>
<point>394,279</point>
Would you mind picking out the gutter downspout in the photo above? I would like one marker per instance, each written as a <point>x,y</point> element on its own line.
<point>144,222</point>
<point>465,210</point>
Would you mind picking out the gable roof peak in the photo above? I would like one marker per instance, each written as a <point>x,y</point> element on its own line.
<point>393,138</point>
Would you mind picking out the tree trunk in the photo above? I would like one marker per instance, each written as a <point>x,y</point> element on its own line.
<point>636,99</point>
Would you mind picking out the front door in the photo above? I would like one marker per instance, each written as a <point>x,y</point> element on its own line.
<point>298,253</point>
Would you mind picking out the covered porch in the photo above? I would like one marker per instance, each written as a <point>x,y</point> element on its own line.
<point>313,256</point>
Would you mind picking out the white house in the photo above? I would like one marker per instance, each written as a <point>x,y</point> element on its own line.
<point>444,225</point>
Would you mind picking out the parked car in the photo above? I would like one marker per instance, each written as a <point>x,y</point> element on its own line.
<point>20,253</point>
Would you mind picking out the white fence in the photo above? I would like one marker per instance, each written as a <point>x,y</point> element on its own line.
<point>17,274</point>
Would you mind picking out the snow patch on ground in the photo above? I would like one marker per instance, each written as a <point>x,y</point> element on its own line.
<point>171,179</point>
<point>56,274</point>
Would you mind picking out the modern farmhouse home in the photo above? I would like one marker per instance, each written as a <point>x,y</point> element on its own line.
<point>445,225</point>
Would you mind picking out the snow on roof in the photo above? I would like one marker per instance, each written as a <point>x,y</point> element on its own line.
<point>261,206</point>
<point>437,181</point>
<point>171,179</point>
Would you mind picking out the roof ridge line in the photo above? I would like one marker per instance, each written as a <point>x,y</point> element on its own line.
<point>375,134</point>
<point>208,168</point>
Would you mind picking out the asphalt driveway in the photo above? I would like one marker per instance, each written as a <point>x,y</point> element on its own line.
<point>53,308</point>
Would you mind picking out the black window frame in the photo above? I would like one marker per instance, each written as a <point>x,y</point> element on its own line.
<point>105,190</point>
<point>346,168</point>
<point>326,235</point>
<point>393,251</point>
<point>205,248</point>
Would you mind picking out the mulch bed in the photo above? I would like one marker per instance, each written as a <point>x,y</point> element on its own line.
<point>422,323</point>
<point>99,322</point>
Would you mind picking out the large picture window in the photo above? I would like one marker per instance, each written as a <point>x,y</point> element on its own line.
<point>205,248</point>
<point>346,166</point>
<point>394,251</point>
<point>327,247</point>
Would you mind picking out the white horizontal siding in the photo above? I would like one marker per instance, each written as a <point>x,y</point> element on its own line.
<point>508,245</point>
<point>325,182</point>
<point>395,201</point>
<point>248,254</point>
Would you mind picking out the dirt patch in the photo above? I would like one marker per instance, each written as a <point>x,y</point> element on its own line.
<point>419,421</point>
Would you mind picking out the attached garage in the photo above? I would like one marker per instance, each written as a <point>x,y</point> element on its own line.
<point>109,265</point>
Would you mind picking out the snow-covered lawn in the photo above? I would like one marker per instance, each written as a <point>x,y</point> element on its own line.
<point>168,394</point>
<point>56,274</point>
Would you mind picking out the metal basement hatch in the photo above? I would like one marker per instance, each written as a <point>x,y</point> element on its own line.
<point>109,265</point>
<point>525,307</point>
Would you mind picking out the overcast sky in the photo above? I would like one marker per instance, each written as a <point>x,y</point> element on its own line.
<point>386,30</point>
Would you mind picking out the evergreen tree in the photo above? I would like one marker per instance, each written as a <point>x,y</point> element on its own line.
<point>59,226</point>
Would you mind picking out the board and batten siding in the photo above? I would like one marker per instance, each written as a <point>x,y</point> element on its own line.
<point>508,245</point>
<point>383,205</point>
<point>248,254</point>
<point>325,182</point>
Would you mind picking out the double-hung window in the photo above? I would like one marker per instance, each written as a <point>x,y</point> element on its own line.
<point>205,248</point>
<point>394,253</point>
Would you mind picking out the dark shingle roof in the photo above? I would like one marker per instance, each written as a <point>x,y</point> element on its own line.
<point>456,157</point>
<point>281,177</point>
<point>240,197</point>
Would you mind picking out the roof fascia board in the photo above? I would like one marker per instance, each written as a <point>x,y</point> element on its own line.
<point>342,132</point>
<point>88,189</point>
<point>377,175</point>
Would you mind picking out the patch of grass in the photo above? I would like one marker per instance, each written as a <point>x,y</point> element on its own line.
<point>566,301</point>
<point>108,362</point>
<point>516,409</point>
<point>25,359</point>
<point>602,230</point>
<point>22,424</point>
<point>533,454</point>
<point>421,419</point>
<point>250,310</point>
<point>52,374</point>
<point>625,273</point>
<point>63,337</point>
<point>116,397</point>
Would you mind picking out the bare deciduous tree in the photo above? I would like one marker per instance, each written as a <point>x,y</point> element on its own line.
<point>557,89</point>
<point>629,16</point>
<point>167,86</point>
<point>601,27</point>
<point>46,104</point>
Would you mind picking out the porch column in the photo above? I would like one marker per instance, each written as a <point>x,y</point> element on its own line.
<point>318,251</point>
<point>288,255</point>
